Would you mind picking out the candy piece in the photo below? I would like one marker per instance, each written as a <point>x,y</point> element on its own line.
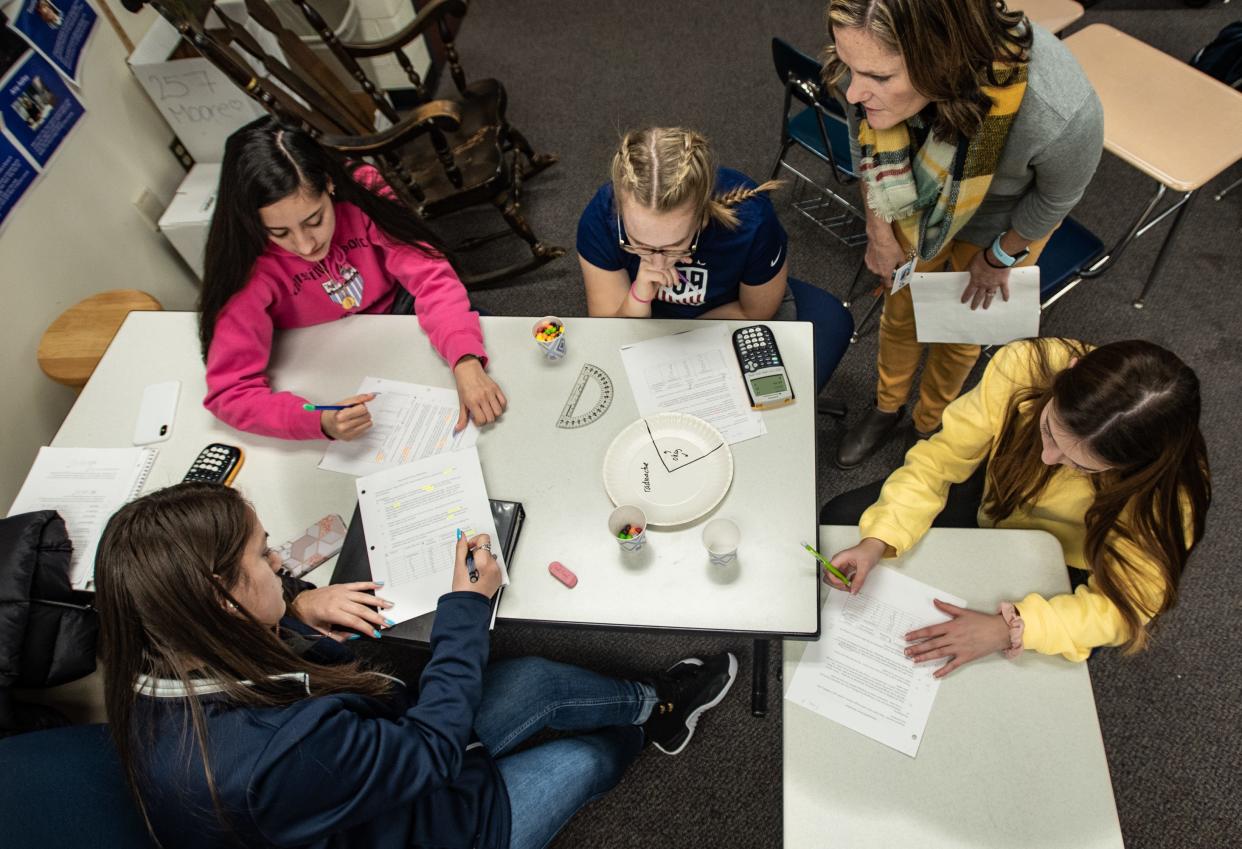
<point>562,574</point>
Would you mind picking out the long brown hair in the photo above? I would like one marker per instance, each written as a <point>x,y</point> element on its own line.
<point>948,46</point>
<point>263,163</point>
<point>164,573</point>
<point>1136,406</point>
<point>662,168</point>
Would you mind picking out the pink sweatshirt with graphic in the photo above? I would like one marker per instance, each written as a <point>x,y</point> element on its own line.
<point>359,275</point>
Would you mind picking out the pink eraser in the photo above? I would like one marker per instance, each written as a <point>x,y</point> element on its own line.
<point>562,574</point>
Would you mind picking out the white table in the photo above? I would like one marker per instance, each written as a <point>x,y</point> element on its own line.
<point>1012,754</point>
<point>555,472</point>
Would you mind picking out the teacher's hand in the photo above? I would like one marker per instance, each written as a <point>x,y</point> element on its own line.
<point>968,636</point>
<point>855,563</point>
<point>479,396</point>
<point>985,281</point>
<point>883,257</point>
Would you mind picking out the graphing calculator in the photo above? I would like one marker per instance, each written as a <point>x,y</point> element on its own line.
<point>763,371</point>
<point>217,463</point>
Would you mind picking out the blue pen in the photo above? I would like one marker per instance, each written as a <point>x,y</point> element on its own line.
<point>474,573</point>
<point>315,408</point>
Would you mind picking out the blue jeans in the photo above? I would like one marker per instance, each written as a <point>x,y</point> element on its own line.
<point>549,783</point>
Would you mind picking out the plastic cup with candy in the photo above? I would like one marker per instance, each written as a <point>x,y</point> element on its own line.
<point>549,333</point>
<point>628,526</point>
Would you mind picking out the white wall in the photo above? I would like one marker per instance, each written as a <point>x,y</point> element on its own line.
<point>77,232</point>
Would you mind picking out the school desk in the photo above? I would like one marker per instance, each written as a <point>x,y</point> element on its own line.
<point>1012,753</point>
<point>555,472</point>
<point>1052,15</point>
<point>1172,122</point>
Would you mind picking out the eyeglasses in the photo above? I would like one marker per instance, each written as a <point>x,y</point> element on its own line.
<point>670,253</point>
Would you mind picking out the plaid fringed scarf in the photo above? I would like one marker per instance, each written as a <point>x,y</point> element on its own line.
<point>913,191</point>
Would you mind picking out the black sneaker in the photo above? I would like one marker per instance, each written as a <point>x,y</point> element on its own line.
<point>685,690</point>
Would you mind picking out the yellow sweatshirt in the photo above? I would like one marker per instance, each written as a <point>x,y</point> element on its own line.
<point>912,497</point>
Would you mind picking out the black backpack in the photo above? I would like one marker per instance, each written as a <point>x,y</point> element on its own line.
<point>47,635</point>
<point>1222,57</point>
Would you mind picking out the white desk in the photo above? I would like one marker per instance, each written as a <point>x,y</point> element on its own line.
<point>772,589</point>
<point>1012,755</point>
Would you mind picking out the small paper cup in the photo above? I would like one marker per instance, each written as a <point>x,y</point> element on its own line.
<point>721,538</point>
<point>627,514</point>
<point>553,349</point>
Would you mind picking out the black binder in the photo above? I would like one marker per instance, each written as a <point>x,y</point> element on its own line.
<point>353,564</point>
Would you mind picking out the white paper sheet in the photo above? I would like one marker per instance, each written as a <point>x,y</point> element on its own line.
<point>857,673</point>
<point>411,514</point>
<point>86,486</point>
<point>409,421</point>
<point>940,315</point>
<point>695,372</point>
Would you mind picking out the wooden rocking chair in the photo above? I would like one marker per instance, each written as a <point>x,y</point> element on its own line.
<point>441,157</point>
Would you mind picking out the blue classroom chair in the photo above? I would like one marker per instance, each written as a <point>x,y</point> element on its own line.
<point>1068,253</point>
<point>821,130</point>
<point>833,327</point>
<point>65,787</point>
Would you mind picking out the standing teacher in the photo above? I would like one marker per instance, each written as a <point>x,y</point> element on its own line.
<point>975,133</point>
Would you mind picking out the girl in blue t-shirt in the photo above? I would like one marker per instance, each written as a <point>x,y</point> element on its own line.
<point>674,236</point>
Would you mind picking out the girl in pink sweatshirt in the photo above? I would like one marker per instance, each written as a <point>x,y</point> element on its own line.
<point>301,238</point>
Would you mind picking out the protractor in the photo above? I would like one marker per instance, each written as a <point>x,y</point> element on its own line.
<point>602,393</point>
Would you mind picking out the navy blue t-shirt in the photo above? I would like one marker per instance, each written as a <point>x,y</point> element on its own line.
<point>753,253</point>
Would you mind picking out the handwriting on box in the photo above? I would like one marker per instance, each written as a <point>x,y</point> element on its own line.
<point>168,89</point>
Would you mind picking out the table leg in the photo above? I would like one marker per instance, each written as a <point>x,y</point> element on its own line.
<point>1115,252</point>
<point>1164,252</point>
<point>759,679</point>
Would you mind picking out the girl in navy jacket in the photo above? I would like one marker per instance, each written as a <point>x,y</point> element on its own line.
<point>238,724</point>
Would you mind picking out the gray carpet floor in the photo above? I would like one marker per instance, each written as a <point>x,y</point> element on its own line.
<point>578,75</point>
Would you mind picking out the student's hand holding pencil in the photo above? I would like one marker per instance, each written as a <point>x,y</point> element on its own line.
<point>350,422</point>
<point>855,563</point>
<point>475,554</point>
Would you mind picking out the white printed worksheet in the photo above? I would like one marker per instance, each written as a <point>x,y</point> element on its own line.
<point>411,514</point>
<point>409,421</point>
<point>858,675</point>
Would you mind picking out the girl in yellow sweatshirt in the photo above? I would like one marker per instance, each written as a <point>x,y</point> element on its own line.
<point>1099,446</point>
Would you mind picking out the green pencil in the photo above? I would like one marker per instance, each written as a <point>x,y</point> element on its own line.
<point>828,566</point>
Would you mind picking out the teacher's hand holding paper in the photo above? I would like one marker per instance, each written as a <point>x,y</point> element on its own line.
<point>985,281</point>
<point>941,313</point>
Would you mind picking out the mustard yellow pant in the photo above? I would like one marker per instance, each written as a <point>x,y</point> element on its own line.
<point>947,366</point>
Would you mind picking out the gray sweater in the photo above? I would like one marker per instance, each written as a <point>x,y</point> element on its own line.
<point>1051,154</point>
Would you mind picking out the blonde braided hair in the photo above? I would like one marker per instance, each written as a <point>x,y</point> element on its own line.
<point>663,168</point>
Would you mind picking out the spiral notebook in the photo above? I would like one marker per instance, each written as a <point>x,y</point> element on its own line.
<point>86,486</point>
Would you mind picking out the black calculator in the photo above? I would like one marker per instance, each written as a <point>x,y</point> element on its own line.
<point>217,463</point>
<point>763,370</point>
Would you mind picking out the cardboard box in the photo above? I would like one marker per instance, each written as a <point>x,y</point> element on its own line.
<point>197,100</point>
<point>188,217</point>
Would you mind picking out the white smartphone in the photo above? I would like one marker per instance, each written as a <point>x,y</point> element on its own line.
<point>156,412</point>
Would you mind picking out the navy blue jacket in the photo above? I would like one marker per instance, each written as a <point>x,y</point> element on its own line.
<point>338,770</point>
